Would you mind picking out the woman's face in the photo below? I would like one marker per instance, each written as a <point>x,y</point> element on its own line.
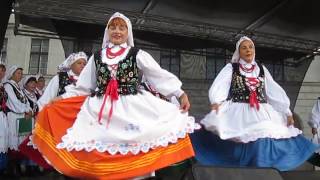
<point>78,66</point>
<point>247,51</point>
<point>118,34</point>
<point>2,73</point>
<point>41,83</point>
<point>17,75</point>
<point>31,86</point>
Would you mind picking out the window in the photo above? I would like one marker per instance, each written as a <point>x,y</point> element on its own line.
<point>3,53</point>
<point>39,56</point>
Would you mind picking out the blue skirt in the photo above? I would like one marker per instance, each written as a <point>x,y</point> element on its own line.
<point>3,160</point>
<point>282,154</point>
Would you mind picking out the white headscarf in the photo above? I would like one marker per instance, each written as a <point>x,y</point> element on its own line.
<point>72,58</point>
<point>38,76</point>
<point>236,54</point>
<point>129,26</point>
<point>24,80</point>
<point>10,72</point>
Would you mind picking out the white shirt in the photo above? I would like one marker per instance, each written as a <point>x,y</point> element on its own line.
<point>314,120</point>
<point>52,90</point>
<point>13,103</point>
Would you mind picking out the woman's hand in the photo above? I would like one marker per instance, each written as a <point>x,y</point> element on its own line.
<point>184,102</point>
<point>290,121</point>
<point>314,131</point>
<point>28,115</point>
<point>215,107</point>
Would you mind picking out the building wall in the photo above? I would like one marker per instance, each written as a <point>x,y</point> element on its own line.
<point>19,48</point>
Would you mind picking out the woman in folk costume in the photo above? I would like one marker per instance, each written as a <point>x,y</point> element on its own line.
<point>29,88</point>
<point>117,132</point>
<point>17,107</point>
<point>314,123</point>
<point>3,122</point>
<point>69,71</point>
<point>250,120</point>
<point>314,120</point>
<point>40,87</point>
<point>26,147</point>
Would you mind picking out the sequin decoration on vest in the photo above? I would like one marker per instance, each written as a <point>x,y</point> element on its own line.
<point>121,78</point>
<point>65,80</point>
<point>247,90</point>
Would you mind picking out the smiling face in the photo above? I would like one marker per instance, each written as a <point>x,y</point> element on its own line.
<point>41,83</point>
<point>118,31</point>
<point>31,85</point>
<point>17,75</point>
<point>247,51</point>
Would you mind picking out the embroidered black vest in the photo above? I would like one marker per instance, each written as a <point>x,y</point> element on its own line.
<point>239,92</point>
<point>20,96</point>
<point>3,98</point>
<point>38,95</point>
<point>127,74</point>
<point>33,105</point>
<point>64,80</point>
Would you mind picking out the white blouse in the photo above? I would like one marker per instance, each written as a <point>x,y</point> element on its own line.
<point>51,90</point>
<point>314,120</point>
<point>163,81</point>
<point>275,95</point>
<point>13,103</point>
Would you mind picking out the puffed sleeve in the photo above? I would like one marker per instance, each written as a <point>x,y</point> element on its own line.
<point>163,81</point>
<point>13,103</point>
<point>314,120</point>
<point>86,82</point>
<point>276,96</point>
<point>220,87</point>
<point>50,92</point>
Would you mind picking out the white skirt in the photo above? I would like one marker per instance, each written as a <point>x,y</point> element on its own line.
<point>139,123</point>
<point>3,133</point>
<point>242,123</point>
<point>14,138</point>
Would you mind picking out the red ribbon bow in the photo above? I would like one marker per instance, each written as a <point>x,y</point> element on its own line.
<point>112,91</point>
<point>253,97</point>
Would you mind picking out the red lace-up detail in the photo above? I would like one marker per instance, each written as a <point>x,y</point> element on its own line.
<point>112,92</point>
<point>112,55</point>
<point>252,84</point>
<point>247,70</point>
